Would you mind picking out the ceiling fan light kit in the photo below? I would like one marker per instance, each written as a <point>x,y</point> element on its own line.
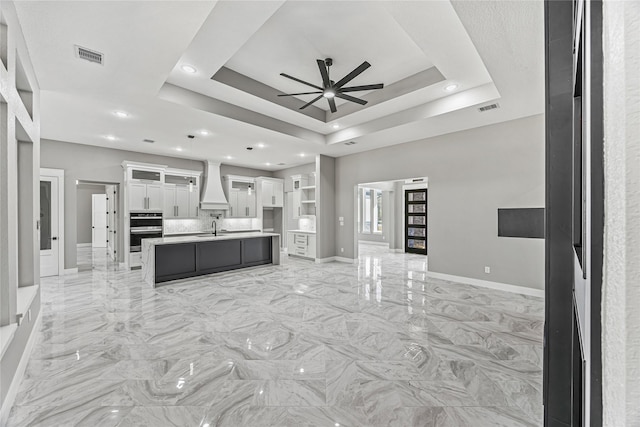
<point>331,89</point>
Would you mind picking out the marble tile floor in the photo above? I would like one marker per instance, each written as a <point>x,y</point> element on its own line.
<point>88,258</point>
<point>377,343</point>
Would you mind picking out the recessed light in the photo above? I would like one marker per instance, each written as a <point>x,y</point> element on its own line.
<point>189,69</point>
<point>301,154</point>
<point>203,132</point>
<point>451,87</point>
<point>260,145</point>
<point>228,157</point>
<point>110,137</point>
<point>268,164</point>
<point>178,148</point>
<point>121,114</point>
<point>336,126</point>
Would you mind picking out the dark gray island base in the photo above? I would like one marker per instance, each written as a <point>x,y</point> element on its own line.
<point>174,258</point>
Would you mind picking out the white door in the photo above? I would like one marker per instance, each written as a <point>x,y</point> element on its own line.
<point>137,196</point>
<point>182,201</point>
<point>49,242</point>
<point>99,220</point>
<point>154,196</point>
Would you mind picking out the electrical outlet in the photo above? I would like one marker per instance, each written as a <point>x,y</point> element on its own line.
<point>341,249</point>
<point>29,314</point>
<point>487,270</point>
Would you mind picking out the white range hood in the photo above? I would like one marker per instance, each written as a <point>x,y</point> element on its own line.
<point>213,197</point>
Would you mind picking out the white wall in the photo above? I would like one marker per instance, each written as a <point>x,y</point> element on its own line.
<point>621,281</point>
<point>19,176</point>
<point>471,174</point>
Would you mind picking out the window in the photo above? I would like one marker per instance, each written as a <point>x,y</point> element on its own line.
<point>370,210</point>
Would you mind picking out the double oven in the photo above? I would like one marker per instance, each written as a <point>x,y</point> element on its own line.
<point>143,225</point>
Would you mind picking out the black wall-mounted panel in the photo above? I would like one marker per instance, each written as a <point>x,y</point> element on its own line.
<point>216,254</point>
<point>175,259</point>
<point>256,250</point>
<point>521,222</point>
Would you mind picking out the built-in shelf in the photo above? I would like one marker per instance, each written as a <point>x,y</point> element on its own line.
<point>6,335</point>
<point>26,294</point>
<point>307,201</point>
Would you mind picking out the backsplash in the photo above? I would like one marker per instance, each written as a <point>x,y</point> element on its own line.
<point>307,224</point>
<point>203,223</point>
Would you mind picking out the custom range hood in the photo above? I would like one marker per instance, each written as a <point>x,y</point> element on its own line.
<point>213,197</point>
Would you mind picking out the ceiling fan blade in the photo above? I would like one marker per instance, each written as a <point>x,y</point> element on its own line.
<point>324,73</point>
<point>310,102</point>
<point>295,94</point>
<point>300,81</point>
<point>352,75</point>
<point>332,105</point>
<point>358,88</point>
<point>351,98</point>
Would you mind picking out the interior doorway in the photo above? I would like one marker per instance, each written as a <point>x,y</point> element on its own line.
<point>382,217</point>
<point>96,225</point>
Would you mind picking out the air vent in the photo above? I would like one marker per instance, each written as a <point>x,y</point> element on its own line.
<point>488,107</point>
<point>89,55</point>
<point>150,141</point>
<point>350,143</point>
<point>281,164</point>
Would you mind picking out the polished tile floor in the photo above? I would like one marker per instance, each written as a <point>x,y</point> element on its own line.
<point>301,344</point>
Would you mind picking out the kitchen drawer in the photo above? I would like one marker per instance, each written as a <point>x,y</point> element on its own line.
<point>300,239</point>
<point>300,247</point>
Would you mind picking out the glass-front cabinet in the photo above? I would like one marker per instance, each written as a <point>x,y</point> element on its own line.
<point>241,194</point>
<point>416,221</point>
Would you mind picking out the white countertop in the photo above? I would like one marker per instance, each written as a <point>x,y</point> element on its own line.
<point>200,238</point>
<point>302,231</point>
<point>186,233</point>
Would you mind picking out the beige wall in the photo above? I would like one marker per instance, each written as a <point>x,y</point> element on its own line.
<point>471,174</point>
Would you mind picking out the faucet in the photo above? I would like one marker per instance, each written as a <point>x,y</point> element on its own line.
<point>214,225</point>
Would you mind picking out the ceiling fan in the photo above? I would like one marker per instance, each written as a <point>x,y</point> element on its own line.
<point>331,89</point>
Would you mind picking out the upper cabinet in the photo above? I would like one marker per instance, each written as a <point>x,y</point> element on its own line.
<point>272,190</point>
<point>181,194</point>
<point>144,187</point>
<point>174,192</point>
<point>241,194</point>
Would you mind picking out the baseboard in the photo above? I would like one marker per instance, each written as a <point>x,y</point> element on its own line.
<point>398,251</point>
<point>344,259</point>
<point>325,260</point>
<point>22,366</point>
<point>71,270</point>
<point>84,245</point>
<point>371,242</point>
<point>122,265</point>
<point>487,284</point>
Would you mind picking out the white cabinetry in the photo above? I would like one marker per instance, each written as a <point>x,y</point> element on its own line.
<point>181,195</point>
<point>301,244</point>
<point>145,197</point>
<point>272,192</point>
<point>241,193</point>
<point>304,195</point>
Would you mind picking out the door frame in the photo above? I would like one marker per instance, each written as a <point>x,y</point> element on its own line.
<point>59,174</point>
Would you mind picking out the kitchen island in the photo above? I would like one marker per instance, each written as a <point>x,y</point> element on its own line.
<point>179,257</point>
